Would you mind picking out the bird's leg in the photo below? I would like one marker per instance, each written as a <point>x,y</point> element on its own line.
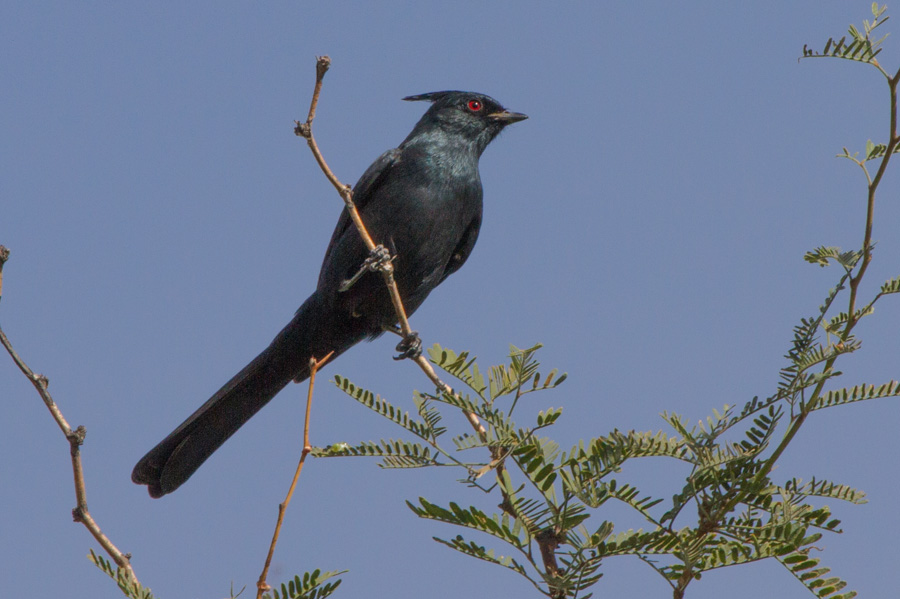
<point>409,347</point>
<point>378,257</point>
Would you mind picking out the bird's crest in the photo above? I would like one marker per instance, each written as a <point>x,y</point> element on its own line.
<point>430,97</point>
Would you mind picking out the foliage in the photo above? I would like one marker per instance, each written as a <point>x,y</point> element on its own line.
<point>549,526</point>
<point>311,586</point>
<point>127,584</point>
<point>861,47</point>
<point>738,514</point>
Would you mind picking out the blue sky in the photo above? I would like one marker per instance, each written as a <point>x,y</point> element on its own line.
<point>647,224</point>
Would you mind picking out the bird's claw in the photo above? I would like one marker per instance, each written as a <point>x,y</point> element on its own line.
<point>378,258</point>
<point>410,347</point>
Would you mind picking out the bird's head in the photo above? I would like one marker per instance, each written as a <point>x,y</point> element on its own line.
<point>476,117</point>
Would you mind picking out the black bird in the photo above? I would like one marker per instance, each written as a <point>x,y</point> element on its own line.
<point>422,201</point>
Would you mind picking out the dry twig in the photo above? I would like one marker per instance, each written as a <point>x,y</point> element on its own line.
<point>262,586</point>
<point>305,130</point>
<point>386,267</point>
<point>75,438</point>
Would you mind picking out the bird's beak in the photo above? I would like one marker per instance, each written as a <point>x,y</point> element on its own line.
<point>506,117</point>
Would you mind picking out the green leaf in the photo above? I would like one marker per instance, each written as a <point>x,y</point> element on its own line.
<point>759,435</point>
<point>638,542</point>
<point>429,414</point>
<point>471,517</point>
<point>853,394</point>
<point>720,553</point>
<point>793,380</point>
<point>477,551</point>
<point>804,569</point>
<point>892,286</point>
<point>821,255</point>
<point>522,368</point>
<point>548,417</point>
<point>384,408</point>
<point>459,366</point>
<point>586,465</point>
<point>311,586</point>
<point>836,323</point>
<point>825,488</point>
<point>126,583</point>
<point>860,49</point>
<point>503,425</point>
<point>536,460</point>
<point>394,454</point>
<point>532,514</point>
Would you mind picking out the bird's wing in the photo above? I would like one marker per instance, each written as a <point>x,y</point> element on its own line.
<point>362,193</point>
<point>463,248</point>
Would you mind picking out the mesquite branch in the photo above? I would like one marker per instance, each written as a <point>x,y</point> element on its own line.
<point>262,586</point>
<point>75,437</point>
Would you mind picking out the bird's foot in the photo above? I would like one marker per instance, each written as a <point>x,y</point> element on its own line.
<point>378,258</point>
<point>410,347</point>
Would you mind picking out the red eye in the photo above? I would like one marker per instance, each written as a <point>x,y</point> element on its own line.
<point>475,105</point>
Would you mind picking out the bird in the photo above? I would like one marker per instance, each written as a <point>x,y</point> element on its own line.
<point>422,202</point>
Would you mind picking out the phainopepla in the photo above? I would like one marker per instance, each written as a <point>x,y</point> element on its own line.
<point>422,201</point>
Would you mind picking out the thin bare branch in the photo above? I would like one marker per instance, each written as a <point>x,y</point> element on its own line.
<point>386,267</point>
<point>262,586</point>
<point>75,438</point>
<point>346,193</point>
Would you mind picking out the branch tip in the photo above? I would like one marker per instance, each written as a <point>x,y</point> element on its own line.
<point>322,65</point>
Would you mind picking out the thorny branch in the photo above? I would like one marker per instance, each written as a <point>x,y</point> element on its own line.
<point>75,438</point>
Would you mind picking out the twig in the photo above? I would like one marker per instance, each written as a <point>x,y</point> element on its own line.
<point>548,544</point>
<point>893,142</point>
<point>852,320</point>
<point>387,269</point>
<point>75,438</point>
<point>262,586</point>
<point>346,192</point>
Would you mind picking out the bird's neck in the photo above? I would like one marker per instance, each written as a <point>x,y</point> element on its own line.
<point>433,138</point>
<point>446,158</point>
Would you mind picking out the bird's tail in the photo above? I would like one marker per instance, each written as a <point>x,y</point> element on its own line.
<point>168,465</point>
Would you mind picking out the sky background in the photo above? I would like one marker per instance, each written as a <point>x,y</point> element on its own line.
<point>647,224</point>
